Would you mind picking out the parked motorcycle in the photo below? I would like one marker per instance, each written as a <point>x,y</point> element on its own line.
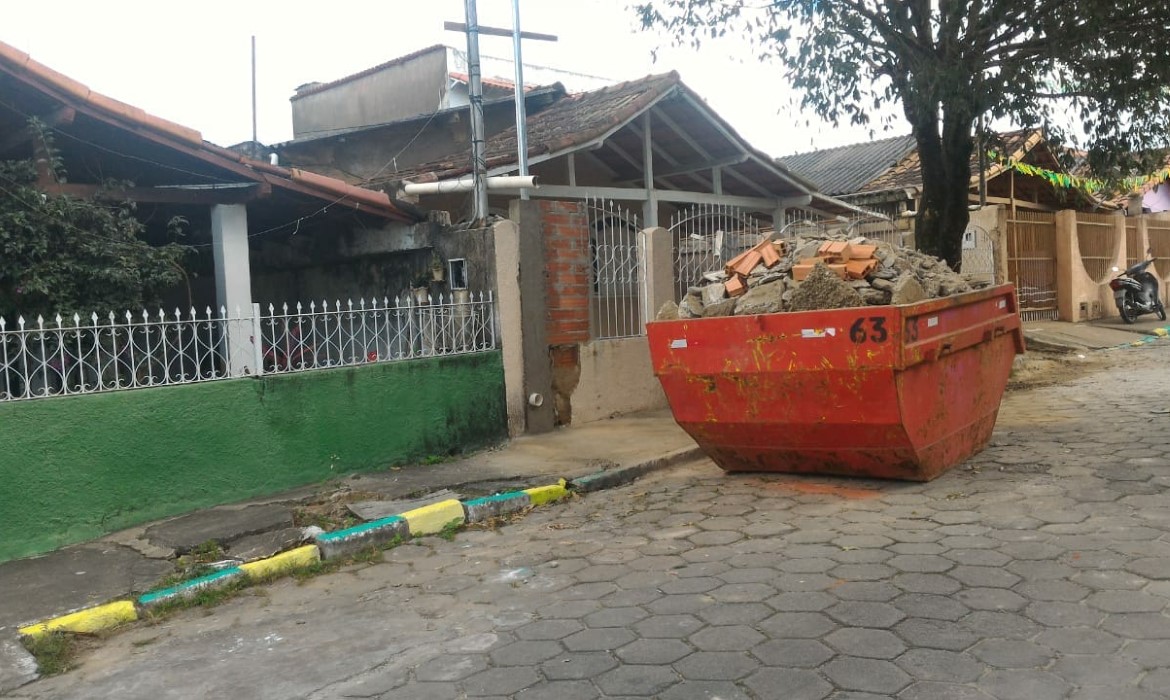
<point>1136,292</point>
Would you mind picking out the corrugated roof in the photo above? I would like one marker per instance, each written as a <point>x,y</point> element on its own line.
<point>845,169</point>
<point>907,173</point>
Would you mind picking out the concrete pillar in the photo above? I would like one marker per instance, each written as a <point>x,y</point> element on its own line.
<point>1067,261</point>
<point>519,249</point>
<point>659,269</point>
<point>233,286</point>
<point>1000,238</point>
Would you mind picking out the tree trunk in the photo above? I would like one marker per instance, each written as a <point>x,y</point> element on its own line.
<point>946,179</point>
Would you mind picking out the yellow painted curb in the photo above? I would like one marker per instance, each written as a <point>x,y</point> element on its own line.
<point>433,518</point>
<point>544,494</point>
<point>292,559</point>
<point>87,621</point>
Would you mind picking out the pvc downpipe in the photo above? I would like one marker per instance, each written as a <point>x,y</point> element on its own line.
<point>467,184</point>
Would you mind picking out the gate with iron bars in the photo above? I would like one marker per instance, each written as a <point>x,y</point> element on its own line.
<point>1031,261</point>
<point>617,274</point>
<point>705,236</point>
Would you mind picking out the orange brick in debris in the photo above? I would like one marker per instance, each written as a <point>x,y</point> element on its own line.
<point>860,269</point>
<point>735,286</point>
<point>771,257</point>
<point>861,251</point>
<point>834,250</point>
<point>748,263</point>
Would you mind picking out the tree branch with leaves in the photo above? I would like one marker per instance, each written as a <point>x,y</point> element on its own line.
<point>1095,73</point>
<point>64,254</point>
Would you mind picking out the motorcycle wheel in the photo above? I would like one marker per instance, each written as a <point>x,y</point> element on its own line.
<point>1126,312</point>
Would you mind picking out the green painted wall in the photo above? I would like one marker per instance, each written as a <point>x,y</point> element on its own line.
<point>75,468</point>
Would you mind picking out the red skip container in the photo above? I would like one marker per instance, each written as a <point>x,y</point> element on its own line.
<point>896,392</point>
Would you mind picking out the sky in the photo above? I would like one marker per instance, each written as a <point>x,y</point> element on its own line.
<point>191,62</point>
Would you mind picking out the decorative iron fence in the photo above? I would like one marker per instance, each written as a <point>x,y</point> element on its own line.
<point>617,276</point>
<point>76,355</point>
<point>705,237</point>
<point>319,336</point>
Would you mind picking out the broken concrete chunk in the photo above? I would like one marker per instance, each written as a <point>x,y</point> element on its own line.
<point>874,297</point>
<point>690,307</point>
<point>764,299</point>
<point>668,312</point>
<point>723,307</point>
<point>884,284</point>
<point>713,293</point>
<point>907,290</point>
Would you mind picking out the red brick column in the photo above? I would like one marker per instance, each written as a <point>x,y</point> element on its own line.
<point>565,229</point>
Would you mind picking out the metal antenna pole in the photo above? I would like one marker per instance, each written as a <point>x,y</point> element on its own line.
<point>254,139</point>
<point>475,97</point>
<point>521,113</point>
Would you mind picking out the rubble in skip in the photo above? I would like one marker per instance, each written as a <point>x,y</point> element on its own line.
<point>816,273</point>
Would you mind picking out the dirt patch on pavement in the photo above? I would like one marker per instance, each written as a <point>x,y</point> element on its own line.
<point>1038,368</point>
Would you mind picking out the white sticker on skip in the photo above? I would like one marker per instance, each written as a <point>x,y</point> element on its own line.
<point>818,332</point>
<point>678,343</point>
<point>1002,303</point>
<point>932,322</point>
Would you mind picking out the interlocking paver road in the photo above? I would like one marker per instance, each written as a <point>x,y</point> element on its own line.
<point>1040,570</point>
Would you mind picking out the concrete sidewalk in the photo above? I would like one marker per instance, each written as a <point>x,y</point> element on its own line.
<point>1062,336</point>
<point>132,561</point>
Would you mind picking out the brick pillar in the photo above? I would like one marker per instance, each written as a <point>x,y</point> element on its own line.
<point>565,230</point>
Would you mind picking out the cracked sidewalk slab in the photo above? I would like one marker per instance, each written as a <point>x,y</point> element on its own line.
<point>17,666</point>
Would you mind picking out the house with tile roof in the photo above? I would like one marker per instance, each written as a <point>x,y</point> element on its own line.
<point>642,188</point>
<point>885,174</point>
<point>238,209</point>
<point>121,416</point>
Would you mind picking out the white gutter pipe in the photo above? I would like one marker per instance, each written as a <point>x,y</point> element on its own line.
<point>467,184</point>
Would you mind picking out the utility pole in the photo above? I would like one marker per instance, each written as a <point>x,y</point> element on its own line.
<point>521,107</point>
<point>475,97</point>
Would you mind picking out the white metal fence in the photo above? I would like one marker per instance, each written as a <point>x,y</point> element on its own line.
<point>83,355</point>
<point>705,237</point>
<point>317,336</point>
<point>617,277</point>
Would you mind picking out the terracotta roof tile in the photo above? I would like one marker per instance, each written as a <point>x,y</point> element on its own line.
<point>500,83</point>
<point>323,187</point>
<point>574,120</point>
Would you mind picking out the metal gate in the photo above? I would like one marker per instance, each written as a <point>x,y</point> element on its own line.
<point>617,274</point>
<point>1031,262</point>
<point>705,237</point>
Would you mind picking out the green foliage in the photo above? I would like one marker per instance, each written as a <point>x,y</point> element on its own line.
<point>64,254</point>
<point>1093,72</point>
<point>450,529</point>
<point>55,652</point>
